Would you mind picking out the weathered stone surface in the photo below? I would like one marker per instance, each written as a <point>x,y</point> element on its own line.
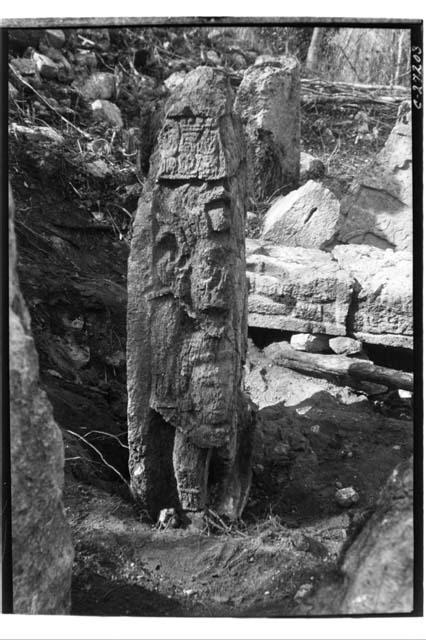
<point>295,289</point>
<point>42,552</point>
<point>45,66</point>
<point>309,342</point>
<point>378,567</point>
<point>189,423</point>
<point>55,38</point>
<point>379,211</point>
<point>307,217</point>
<point>268,101</point>
<point>383,308</point>
<point>99,86</point>
<point>175,79</point>
<point>345,345</point>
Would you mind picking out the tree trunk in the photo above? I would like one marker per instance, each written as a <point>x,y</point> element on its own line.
<point>340,366</point>
<point>312,58</point>
<point>398,65</point>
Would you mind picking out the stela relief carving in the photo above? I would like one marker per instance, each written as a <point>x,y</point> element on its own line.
<point>190,423</point>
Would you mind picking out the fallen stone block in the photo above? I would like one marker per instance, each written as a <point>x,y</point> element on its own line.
<point>295,289</point>
<point>307,217</point>
<point>383,308</point>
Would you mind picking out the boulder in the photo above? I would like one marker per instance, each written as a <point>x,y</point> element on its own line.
<point>295,289</point>
<point>189,422</point>
<point>268,101</point>
<point>378,566</point>
<point>307,217</point>
<point>42,553</point>
<point>309,342</point>
<point>382,312</point>
<point>379,209</point>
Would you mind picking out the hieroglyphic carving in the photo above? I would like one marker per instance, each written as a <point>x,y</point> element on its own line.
<point>191,148</point>
<point>187,307</point>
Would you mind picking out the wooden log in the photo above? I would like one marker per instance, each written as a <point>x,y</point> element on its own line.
<point>340,366</point>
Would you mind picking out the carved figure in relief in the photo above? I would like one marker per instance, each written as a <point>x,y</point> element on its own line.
<point>190,424</point>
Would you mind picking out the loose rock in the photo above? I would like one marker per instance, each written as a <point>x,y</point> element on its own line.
<point>345,345</point>
<point>307,217</point>
<point>108,112</point>
<point>346,497</point>
<point>310,168</point>
<point>310,343</point>
<point>99,86</point>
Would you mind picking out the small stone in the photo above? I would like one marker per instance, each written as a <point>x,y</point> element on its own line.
<point>108,112</point>
<point>98,168</point>
<point>345,345</point>
<point>55,37</point>
<point>167,518</point>
<point>45,66</point>
<point>406,395</point>
<point>338,484</point>
<point>188,592</point>
<point>99,86</point>
<point>346,497</point>
<point>309,342</point>
<point>267,593</point>
<point>303,591</point>
<point>310,167</point>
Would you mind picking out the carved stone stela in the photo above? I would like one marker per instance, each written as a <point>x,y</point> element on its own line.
<point>190,425</point>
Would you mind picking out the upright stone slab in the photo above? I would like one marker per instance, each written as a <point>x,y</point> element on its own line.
<point>189,422</point>
<point>268,101</point>
<point>379,210</point>
<point>42,553</point>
